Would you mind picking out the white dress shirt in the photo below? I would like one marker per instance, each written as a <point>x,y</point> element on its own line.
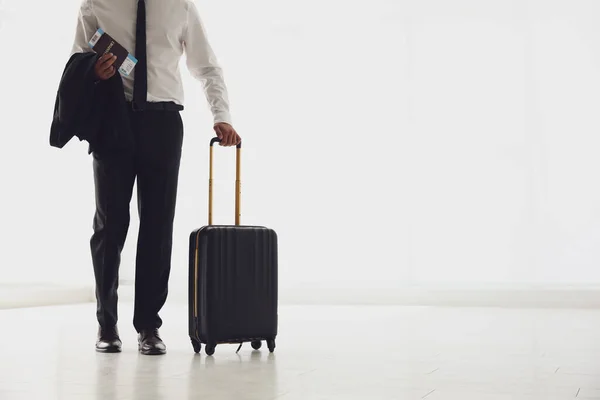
<point>173,27</point>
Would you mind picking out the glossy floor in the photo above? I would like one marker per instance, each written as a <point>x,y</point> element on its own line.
<point>367,353</point>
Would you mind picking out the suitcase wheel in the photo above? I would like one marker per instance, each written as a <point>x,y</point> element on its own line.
<point>210,349</point>
<point>197,346</point>
<point>271,345</point>
<point>257,344</point>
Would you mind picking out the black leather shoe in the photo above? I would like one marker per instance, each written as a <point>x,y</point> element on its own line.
<point>150,343</point>
<point>108,340</point>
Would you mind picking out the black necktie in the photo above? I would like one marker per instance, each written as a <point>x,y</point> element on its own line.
<point>140,81</point>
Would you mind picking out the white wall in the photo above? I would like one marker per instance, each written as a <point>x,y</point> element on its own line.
<point>390,143</point>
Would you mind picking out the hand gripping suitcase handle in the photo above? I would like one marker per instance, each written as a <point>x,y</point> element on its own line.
<point>237,181</point>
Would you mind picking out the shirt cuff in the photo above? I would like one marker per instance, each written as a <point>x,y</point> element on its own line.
<point>222,116</point>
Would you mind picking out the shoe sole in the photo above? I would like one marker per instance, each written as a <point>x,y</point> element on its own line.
<point>154,352</point>
<point>109,350</point>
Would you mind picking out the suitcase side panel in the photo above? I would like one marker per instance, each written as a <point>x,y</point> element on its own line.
<point>193,274</point>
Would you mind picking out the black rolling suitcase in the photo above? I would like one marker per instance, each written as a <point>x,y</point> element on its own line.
<point>232,280</point>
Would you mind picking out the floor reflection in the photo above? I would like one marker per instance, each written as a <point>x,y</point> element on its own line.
<point>107,371</point>
<point>243,375</point>
<point>150,379</point>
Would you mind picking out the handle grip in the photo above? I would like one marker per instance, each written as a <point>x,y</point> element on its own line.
<point>237,181</point>
<point>217,140</point>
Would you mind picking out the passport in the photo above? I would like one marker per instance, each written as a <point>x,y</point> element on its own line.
<point>103,43</point>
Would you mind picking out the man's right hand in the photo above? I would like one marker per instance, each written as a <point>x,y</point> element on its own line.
<point>104,67</point>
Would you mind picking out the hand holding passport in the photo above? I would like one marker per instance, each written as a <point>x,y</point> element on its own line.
<point>102,43</point>
<point>104,68</point>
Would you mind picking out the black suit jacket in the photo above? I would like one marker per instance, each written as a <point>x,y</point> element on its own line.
<point>91,110</point>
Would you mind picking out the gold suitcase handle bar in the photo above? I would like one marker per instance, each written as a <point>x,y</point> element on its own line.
<point>237,181</point>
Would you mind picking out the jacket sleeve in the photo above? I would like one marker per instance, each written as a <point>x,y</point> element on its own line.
<point>87,24</point>
<point>203,65</point>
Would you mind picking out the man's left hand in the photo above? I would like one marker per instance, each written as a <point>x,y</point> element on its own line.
<point>228,135</point>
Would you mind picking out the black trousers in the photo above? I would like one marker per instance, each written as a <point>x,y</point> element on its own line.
<point>155,164</point>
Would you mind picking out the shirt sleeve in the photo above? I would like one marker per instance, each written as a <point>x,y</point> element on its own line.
<point>87,25</point>
<point>203,65</point>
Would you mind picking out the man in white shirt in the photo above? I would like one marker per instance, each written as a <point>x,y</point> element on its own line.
<point>159,32</point>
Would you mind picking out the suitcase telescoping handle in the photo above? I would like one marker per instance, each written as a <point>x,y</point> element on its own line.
<point>237,181</point>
